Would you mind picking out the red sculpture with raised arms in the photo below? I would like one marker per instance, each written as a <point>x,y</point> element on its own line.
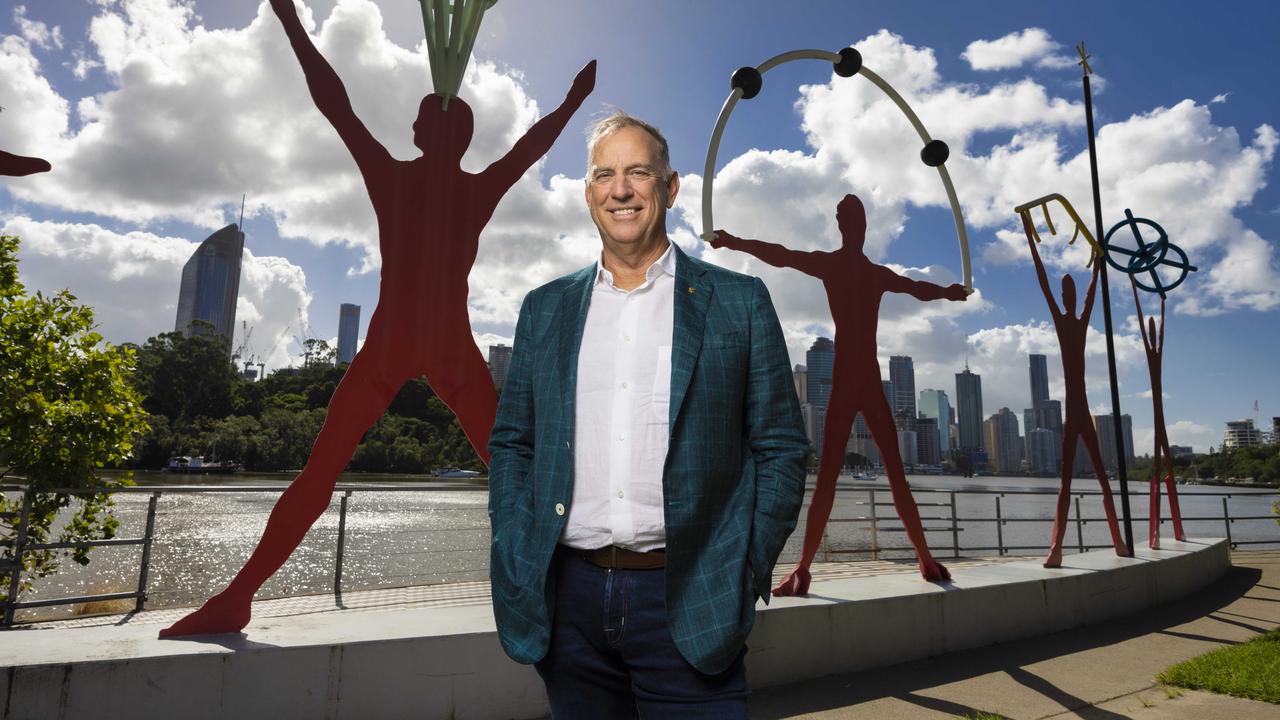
<point>1077,426</point>
<point>1153,343</point>
<point>854,286</point>
<point>430,213</point>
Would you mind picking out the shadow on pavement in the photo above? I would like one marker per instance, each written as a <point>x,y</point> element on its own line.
<point>906,680</point>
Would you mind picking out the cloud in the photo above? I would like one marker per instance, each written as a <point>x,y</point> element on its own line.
<point>34,121</point>
<point>131,281</point>
<point>37,33</point>
<point>1014,50</point>
<point>1187,433</point>
<point>195,117</point>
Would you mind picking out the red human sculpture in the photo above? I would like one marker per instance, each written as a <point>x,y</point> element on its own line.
<point>430,213</point>
<point>19,165</point>
<point>854,286</point>
<point>1072,331</point>
<point>1153,343</point>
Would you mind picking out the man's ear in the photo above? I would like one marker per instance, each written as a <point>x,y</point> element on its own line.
<point>673,188</point>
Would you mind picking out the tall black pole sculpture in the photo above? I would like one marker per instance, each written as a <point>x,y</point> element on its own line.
<point>1106,310</point>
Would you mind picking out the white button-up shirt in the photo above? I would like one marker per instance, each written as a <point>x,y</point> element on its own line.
<point>621,412</point>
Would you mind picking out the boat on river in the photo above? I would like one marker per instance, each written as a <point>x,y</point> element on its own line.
<point>196,465</point>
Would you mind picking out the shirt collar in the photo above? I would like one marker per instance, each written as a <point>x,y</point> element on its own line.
<point>666,263</point>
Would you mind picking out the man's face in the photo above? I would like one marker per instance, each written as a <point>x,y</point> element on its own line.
<point>626,193</point>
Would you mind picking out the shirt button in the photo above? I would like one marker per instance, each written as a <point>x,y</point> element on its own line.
<point>625,386</point>
<point>559,508</point>
<point>626,338</point>
<point>619,493</point>
<point>621,437</point>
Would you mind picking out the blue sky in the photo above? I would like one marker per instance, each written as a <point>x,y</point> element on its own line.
<point>159,114</point>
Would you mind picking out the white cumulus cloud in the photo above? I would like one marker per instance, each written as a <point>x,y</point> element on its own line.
<point>1014,50</point>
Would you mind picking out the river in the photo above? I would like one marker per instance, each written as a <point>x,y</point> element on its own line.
<point>421,535</point>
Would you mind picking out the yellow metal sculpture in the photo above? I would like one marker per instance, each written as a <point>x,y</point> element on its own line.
<point>1025,209</point>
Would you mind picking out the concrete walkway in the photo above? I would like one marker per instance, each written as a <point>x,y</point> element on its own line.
<point>1100,672</point>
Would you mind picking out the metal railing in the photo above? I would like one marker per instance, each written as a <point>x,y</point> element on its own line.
<point>952,524</point>
<point>13,565</point>
<point>953,521</point>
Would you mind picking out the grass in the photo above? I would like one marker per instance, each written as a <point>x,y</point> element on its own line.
<point>1249,670</point>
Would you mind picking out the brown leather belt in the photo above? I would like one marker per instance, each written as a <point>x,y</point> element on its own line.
<point>614,557</point>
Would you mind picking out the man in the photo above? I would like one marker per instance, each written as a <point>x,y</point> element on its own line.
<point>855,286</point>
<point>430,214</point>
<point>647,461</point>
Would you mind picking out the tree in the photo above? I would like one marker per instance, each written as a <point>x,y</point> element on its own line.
<point>185,377</point>
<point>66,409</point>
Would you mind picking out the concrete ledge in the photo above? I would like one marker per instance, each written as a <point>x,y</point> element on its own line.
<point>447,663</point>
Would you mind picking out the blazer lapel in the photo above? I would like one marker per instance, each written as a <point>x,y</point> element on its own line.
<point>693,295</point>
<point>573,318</point>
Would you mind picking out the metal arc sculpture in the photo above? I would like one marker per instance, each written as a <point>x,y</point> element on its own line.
<point>451,34</point>
<point>746,84</point>
<point>1146,257</point>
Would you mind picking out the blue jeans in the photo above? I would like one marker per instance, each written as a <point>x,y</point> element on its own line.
<point>612,655</point>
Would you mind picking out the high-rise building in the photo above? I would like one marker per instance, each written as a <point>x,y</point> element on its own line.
<point>348,331</point>
<point>902,374</point>
<point>820,361</point>
<point>927,448</point>
<point>1275,429</point>
<point>1241,433</point>
<point>861,442</point>
<point>908,448</point>
<point>499,360</point>
<point>934,404</point>
<point>1043,451</point>
<point>1028,424</point>
<point>1039,379</point>
<point>1004,444</point>
<point>211,284</point>
<point>800,376</point>
<point>969,409</point>
<point>1106,430</point>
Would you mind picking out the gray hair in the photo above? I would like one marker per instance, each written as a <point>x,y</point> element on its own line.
<point>618,120</point>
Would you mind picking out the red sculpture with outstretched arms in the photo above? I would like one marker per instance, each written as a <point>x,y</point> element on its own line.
<point>1153,343</point>
<point>430,213</point>
<point>854,286</point>
<point>1077,426</point>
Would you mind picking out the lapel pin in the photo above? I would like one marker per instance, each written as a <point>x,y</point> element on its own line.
<point>690,289</point>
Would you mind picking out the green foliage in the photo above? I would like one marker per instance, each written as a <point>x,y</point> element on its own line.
<point>66,409</point>
<point>1249,670</point>
<point>270,425</point>
<point>1260,462</point>
<point>184,377</point>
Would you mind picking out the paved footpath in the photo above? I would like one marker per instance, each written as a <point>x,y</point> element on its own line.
<point>1097,673</point>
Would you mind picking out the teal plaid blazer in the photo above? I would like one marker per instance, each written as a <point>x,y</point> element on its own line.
<point>734,474</point>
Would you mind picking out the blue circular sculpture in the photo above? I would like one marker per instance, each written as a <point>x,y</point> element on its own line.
<point>1146,257</point>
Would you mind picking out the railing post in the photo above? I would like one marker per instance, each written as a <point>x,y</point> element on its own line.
<point>1079,527</point>
<point>19,546</point>
<point>955,528</point>
<point>342,537</point>
<point>145,567</point>
<point>1226,522</point>
<point>875,528</point>
<point>999,529</point>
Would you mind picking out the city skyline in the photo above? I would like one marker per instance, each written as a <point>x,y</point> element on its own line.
<point>123,113</point>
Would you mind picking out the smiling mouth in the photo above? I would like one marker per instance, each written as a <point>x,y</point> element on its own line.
<point>624,212</point>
